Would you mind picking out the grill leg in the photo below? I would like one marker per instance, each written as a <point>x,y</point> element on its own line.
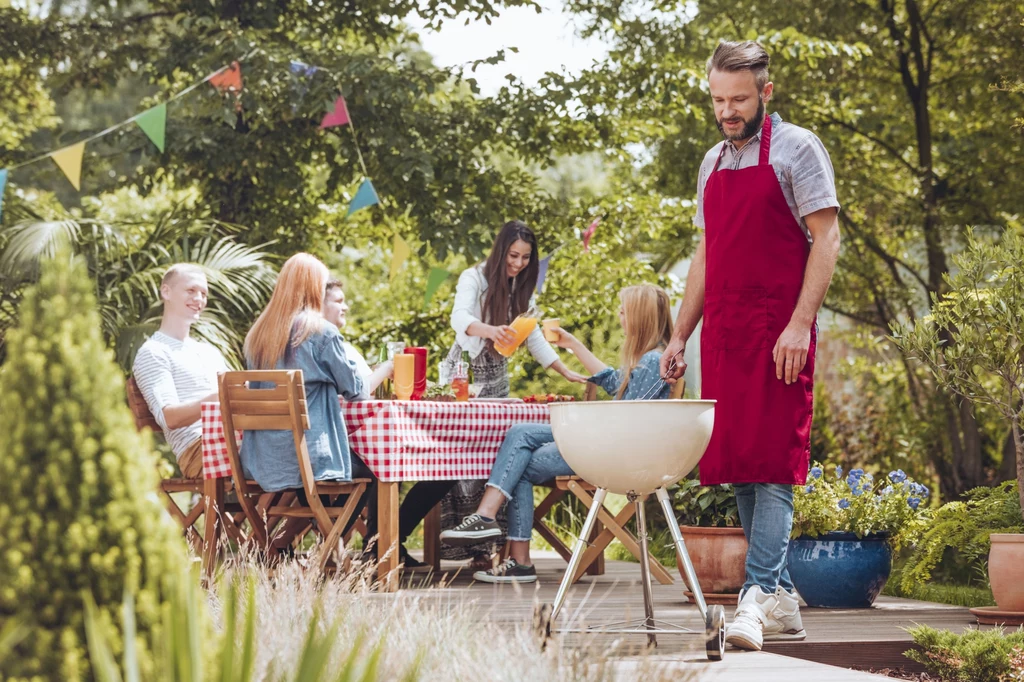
<point>577,551</point>
<point>684,557</point>
<point>645,569</point>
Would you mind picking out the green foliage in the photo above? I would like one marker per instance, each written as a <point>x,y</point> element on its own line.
<point>965,527</point>
<point>974,656</point>
<point>970,596</point>
<point>78,509</point>
<point>973,341</point>
<point>127,241</point>
<point>192,653</point>
<point>859,504</point>
<point>711,506</point>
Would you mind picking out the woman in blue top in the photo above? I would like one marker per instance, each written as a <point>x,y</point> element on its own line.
<point>529,455</point>
<point>293,334</point>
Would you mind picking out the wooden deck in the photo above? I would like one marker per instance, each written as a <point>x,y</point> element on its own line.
<point>874,638</point>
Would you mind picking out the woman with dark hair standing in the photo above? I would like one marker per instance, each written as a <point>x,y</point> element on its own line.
<point>488,297</point>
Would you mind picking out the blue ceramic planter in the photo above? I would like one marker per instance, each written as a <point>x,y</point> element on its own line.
<point>839,570</point>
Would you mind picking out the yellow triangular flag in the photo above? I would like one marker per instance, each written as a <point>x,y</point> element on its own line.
<point>70,161</point>
<point>400,252</point>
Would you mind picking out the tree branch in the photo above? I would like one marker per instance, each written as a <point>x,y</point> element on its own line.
<point>876,248</point>
<point>880,142</point>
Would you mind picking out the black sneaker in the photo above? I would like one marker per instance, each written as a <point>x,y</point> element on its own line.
<point>472,530</point>
<point>509,572</point>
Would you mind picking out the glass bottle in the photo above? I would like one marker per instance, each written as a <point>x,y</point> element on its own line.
<point>522,327</point>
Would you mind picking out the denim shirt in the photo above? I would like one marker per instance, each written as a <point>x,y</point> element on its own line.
<point>646,375</point>
<point>327,372</point>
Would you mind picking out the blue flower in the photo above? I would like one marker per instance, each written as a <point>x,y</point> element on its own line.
<point>924,491</point>
<point>839,472</point>
<point>815,472</point>
<point>888,490</point>
<point>869,477</point>
<point>914,502</point>
<point>844,503</point>
<point>897,476</point>
<point>809,489</point>
<point>858,490</point>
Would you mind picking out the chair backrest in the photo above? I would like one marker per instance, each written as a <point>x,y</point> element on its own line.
<point>144,419</point>
<point>279,407</point>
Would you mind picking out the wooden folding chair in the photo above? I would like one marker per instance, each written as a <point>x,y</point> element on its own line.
<point>187,519</point>
<point>607,528</point>
<point>281,408</point>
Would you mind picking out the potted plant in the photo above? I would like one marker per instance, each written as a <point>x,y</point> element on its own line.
<point>710,524</point>
<point>973,344</point>
<point>845,531</point>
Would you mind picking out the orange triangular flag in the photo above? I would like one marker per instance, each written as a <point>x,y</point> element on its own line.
<point>228,80</point>
<point>69,160</point>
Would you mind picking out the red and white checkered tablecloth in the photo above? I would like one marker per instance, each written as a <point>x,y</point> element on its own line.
<point>406,440</point>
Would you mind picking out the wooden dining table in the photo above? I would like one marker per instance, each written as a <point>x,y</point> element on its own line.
<point>399,441</point>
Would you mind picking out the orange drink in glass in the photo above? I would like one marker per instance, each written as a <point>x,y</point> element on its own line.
<point>405,375</point>
<point>549,329</point>
<point>523,326</point>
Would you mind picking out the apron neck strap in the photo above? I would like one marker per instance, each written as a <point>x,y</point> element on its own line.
<point>766,140</point>
<point>766,145</point>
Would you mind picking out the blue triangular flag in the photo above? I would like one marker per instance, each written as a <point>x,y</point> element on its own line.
<point>3,185</point>
<point>542,272</point>
<point>300,69</point>
<point>365,196</point>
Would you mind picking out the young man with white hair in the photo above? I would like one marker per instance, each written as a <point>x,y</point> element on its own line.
<point>177,373</point>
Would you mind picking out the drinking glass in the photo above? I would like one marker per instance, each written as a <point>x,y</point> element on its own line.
<point>405,376</point>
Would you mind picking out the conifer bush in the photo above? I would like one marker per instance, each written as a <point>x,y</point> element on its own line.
<point>79,513</point>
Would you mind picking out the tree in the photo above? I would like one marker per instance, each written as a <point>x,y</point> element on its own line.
<point>127,243</point>
<point>78,511</point>
<point>900,91</point>
<point>973,340</point>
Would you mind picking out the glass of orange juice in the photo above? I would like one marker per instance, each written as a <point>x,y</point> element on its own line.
<point>523,326</point>
<point>405,375</point>
<point>550,327</point>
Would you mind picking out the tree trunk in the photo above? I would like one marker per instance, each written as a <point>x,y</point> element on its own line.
<point>1018,443</point>
<point>1008,469</point>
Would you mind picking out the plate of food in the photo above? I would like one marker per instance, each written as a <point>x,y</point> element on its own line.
<point>545,398</point>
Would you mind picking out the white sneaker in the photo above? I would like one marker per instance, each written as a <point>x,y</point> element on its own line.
<point>747,626</point>
<point>784,623</point>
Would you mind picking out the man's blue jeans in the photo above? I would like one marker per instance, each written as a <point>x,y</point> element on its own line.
<point>766,512</point>
<point>528,455</point>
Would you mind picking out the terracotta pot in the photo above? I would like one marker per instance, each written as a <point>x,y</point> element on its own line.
<point>1004,562</point>
<point>718,556</point>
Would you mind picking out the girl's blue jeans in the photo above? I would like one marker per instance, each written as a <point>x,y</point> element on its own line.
<point>528,456</point>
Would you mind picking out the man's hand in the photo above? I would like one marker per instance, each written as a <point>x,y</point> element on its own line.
<point>674,352</point>
<point>790,352</point>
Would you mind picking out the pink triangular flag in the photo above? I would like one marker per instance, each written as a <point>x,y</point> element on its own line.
<point>588,233</point>
<point>338,117</point>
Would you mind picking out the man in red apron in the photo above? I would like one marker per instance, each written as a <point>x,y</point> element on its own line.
<point>767,203</point>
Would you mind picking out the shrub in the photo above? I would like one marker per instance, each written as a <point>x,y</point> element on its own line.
<point>712,506</point>
<point>856,503</point>
<point>78,505</point>
<point>974,656</point>
<point>965,527</point>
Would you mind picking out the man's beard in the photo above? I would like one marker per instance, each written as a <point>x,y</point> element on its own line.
<point>750,127</point>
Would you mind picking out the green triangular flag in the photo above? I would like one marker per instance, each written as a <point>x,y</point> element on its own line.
<point>435,279</point>
<point>154,123</point>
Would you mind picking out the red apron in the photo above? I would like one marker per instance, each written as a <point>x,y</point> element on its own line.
<point>756,257</point>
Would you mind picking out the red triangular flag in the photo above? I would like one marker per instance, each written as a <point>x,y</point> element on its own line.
<point>338,117</point>
<point>588,233</point>
<point>228,80</point>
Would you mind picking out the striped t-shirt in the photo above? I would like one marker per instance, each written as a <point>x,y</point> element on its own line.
<point>171,372</point>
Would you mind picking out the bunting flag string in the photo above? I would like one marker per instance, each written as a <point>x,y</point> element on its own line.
<point>337,117</point>
<point>589,232</point>
<point>435,279</point>
<point>365,196</point>
<point>154,123</point>
<point>542,272</point>
<point>399,253</point>
<point>69,160</point>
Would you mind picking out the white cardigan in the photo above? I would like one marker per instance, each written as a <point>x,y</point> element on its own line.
<point>468,308</point>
